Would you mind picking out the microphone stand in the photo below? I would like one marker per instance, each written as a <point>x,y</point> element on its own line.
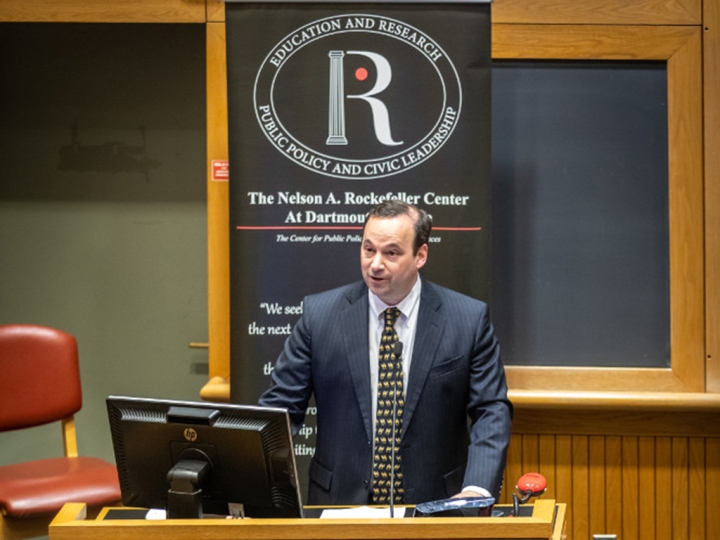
<point>397,351</point>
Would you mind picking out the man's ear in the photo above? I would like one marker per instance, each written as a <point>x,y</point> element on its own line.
<point>421,257</point>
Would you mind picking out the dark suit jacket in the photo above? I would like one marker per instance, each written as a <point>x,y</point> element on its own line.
<point>456,374</point>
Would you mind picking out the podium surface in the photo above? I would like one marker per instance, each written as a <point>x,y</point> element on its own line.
<point>547,522</point>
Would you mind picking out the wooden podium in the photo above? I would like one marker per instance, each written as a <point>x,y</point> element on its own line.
<point>547,523</point>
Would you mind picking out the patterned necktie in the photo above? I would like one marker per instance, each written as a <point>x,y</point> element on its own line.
<point>390,382</point>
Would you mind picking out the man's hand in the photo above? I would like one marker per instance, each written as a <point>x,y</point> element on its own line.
<point>472,491</point>
<point>466,494</point>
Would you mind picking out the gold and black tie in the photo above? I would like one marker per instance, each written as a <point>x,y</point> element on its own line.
<point>390,396</point>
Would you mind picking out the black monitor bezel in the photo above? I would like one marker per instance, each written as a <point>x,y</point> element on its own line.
<point>272,424</point>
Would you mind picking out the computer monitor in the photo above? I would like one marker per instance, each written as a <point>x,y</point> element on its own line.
<point>195,459</point>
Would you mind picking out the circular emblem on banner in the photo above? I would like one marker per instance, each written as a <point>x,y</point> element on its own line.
<point>357,96</point>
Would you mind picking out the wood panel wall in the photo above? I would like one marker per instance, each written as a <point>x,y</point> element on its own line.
<point>640,470</point>
<point>637,487</point>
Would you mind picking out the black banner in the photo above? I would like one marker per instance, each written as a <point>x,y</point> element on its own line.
<point>333,108</point>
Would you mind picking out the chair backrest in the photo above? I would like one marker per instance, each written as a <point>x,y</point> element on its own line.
<point>39,376</point>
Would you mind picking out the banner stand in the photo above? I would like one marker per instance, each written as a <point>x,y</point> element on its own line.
<point>334,107</point>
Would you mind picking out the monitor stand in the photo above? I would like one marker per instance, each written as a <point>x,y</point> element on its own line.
<point>185,494</point>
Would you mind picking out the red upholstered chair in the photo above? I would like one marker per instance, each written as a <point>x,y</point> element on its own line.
<point>39,384</point>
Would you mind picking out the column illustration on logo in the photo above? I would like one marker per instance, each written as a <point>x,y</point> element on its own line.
<point>336,106</point>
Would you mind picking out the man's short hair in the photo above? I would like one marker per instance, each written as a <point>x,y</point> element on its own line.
<point>395,207</point>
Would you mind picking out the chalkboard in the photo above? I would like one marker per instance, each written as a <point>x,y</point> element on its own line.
<point>580,213</point>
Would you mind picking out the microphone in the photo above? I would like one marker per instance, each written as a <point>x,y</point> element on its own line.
<point>397,351</point>
<point>529,485</point>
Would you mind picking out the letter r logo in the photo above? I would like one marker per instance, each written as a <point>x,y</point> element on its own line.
<point>336,105</point>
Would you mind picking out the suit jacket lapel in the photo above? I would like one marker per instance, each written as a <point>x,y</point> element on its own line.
<point>430,326</point>
<point>354,321</point>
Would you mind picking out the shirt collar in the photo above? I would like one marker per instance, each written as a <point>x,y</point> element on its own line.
<point>406,306</point>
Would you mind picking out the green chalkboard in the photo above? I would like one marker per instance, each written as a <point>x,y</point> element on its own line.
<point>580,219</point>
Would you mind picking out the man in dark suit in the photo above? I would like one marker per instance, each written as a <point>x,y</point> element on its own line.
<point>455,418</point>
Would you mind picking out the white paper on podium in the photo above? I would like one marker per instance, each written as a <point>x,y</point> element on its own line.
<point>156,513</point>
<point>361,512</point>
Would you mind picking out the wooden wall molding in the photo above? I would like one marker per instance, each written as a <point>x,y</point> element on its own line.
<point>691,402</point>
<point>621,421</point>
<point>218,212</point>
<point>711,81</point>
<point>589,42</point>
<point>215,11</point>
<point>103,11</point>
<point>608,12</point>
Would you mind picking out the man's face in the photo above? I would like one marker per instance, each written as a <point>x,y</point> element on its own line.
<point>388,264</point>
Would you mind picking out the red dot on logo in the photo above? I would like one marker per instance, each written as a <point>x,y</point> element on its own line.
<point>361,74</point>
